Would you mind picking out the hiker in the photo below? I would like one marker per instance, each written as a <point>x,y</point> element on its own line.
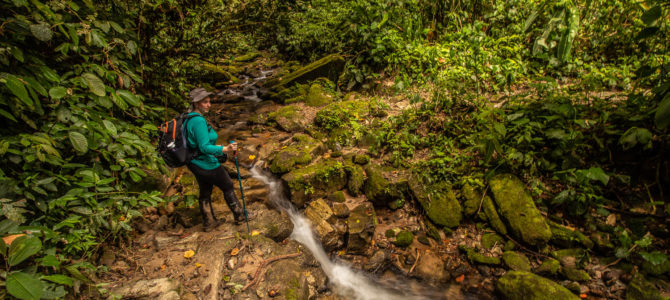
<point>206,167</point>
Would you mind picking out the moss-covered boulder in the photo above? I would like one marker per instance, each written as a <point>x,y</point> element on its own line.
<point>361,159</point>
<point>518,285</point>
<point>314,181</point>
<point>317,96</point>
<point>341,113</point>
<point>355,178</point>
<point>217,73</point>
<point>570,257</point>
<point>247,57</point>
<point>517,208</point>
<point>549,267</point>
<point>575,274</point>
<point>492,215</point>
<point>362,222</point>
<point>478,258</point>
<point>404,238</point>
<point>657,269</point>
<point>641,289</point>
<point>565,237</point>
<point>337,196</point>
<point>472,200</point>
<point>491,239</point>
<point>382,187</point>
<point>438,201</point>
<point>516,261</point>
<point>301,152</point>
<point>288,118</point>
<point>330,67</point>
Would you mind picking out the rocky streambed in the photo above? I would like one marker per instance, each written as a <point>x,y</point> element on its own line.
<point>414,238</point>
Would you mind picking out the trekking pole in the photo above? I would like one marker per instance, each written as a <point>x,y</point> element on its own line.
<point>239,179</point>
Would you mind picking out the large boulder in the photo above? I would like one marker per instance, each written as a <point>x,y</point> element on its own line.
<point>517,208</point>
<point>301,152</point>
<point>321,216</point>
<point>528,286</point>
<point>314,181</point>
<point>384,187</point>
<point>330,67</point>
<point>641,289</point>
<point>431,267</point>
<point>438,201</point>
<point>566,237</point>
<point>288,118</point>
<point>362,222</point>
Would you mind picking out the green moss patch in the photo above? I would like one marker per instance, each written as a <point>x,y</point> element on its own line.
<point>518,285</point>
<point>317,180</point>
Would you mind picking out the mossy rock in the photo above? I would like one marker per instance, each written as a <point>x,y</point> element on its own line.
<point>362,223</point>
<point>473,199</point>
<point>575,274</point>
<point>317,96</point>
<point>381,190</point>
<point>492,216</point>
<point>288,118</point>
<point>657,270</point>
<point>491,239</point>
<point>247,57</point>
<point>330,67</point>
<point>516,261</point>
<point>439,202</point>
<point>577,253</point>
<point>337,196</point>
<point>397,204</point>
<point>518,285</point>
<point>361,159</point>
<point>476,257</point>
<point>316,180</point>
<point>390,233</point>
<point>433,232</point>
<point>549,267</point>
<point>301,153</point>
<point>356,178</point>
<point>516,206</point>
<point>215,73</point>
<point>641,289</point>
<point>404,239</point>
<point>341,113</point>
<point>565,237</point>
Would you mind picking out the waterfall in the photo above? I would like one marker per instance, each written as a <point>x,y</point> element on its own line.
<point>348,282</point>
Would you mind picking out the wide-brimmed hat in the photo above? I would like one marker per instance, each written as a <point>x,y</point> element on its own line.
<point>197,94</point>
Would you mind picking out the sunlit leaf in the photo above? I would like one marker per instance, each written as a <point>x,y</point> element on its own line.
<point>18,89</point>
<point>94,83</point>
<point>22,248</point>
<point>78,141</point>
<point>41,31</point>
<point>57,92</point>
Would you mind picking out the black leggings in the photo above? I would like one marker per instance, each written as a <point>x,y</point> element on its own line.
<point>207,179</point>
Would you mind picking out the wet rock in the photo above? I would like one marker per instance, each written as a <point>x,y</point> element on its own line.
<point>475,257</point>
<point>382,190</point>
<point>438,201</point>
<point>549,267</point>
<point>641,289</point>
<point>516,261</point>
<point>518,209</point>
<point>232,171</point>
<point>431,267</point>
<point>315,181</point>
<point>278,226</point>
<point>320,214</point>
<point>575,274</point>
<point>491,239</point>
<point>340,210</point>
<point>361,221</point>
<point>404,238</point>
<point>356,178</point>
<point>161,288</point>
<point>330,67</point>
<point>528,286</point>
<point>565,237</point>
<point>377,261</point>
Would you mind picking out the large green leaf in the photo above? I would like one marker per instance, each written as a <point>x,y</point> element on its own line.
<point>94,83</point>
<point>18,89</point>
<point>636,136</point>
<point>41,31</point>
<point>7,115</point>
<point>60,279</point>
<point>57,92</point>
<point>22,248</point>
<point>662,117</point>
<point>129,97</point>
<point>597,174</point>
<point>24,286</point>
<point>78,141</point>
<point>111,128</point>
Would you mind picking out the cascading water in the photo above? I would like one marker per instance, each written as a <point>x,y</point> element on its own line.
<point>348,282</point>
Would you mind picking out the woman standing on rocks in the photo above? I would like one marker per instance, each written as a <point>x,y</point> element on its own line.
<point>206,167</point>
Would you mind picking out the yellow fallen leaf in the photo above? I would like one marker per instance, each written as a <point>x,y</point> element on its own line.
<point>189,254</point>
<point>122,218</point>
<point>10,238</point>
<point>252,157</point>
<point>198,265</point>
<point>255,233</point>
<point>163,267</point>
<point>234,251</point>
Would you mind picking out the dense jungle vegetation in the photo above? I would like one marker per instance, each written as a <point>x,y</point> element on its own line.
<point>571,95</point>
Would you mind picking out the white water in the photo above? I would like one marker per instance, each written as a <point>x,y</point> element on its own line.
<point>348,282</point>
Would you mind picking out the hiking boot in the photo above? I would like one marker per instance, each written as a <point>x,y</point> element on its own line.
<point>239,218</point>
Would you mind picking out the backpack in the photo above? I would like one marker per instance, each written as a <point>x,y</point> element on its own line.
<point>172,143</point>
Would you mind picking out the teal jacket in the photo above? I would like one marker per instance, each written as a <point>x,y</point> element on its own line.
<point>201,136</point>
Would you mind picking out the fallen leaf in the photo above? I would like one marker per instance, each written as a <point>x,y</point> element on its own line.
<point>255,233</point>
<point>252,157</point>
<point>460,279</point>
<point>163,267</point>
<point>189,254</point>
<point>122,218</point>
<point>583,296</point>
<point>198,265</point>
<point>611,220</point>
<point>10,238</point>
<point>234,251</point>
